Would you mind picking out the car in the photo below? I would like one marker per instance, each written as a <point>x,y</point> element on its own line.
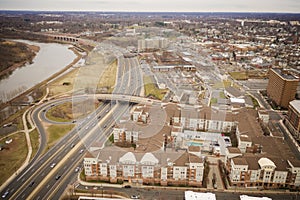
<point>5,194</point>
<point>52,165</point>
<point>127,186</point>
<point>134,196</point>
<point>81,151</point>
<point>31,184</point>
<point>99,116</point>
<point>57,177</point>
<point>74,121</point>
<point>77,169</point>
<point>72,145</point>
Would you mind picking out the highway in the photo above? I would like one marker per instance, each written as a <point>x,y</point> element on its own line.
<point>41,181</point>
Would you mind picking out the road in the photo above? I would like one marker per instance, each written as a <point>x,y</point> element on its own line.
<point>152,193</point>
<point>39,177</point>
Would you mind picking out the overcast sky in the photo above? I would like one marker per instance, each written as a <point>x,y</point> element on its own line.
<point>155,5</point>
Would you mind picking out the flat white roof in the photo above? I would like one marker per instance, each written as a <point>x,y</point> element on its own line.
<point>163,67</point>
<point>237,100</point>
<point>190,195</point>
<point>296,104</point>
<point>245,197</point>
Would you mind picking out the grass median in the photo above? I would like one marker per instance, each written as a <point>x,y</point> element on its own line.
<point>55,132</point>
<point>108,78</point>
<point>60,113</point>
<point>35,142</point>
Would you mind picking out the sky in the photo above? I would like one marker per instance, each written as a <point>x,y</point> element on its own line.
<point>290,6</point>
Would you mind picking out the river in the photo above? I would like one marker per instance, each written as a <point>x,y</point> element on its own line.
<point>50,59</point>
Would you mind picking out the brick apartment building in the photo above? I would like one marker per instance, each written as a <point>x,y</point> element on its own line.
<point>292,121</point>
<point>259,160</point>
<point>282,87</point>
<point>163,168</point>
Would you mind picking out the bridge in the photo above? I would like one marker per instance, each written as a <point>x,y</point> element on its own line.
<point>126,98</point>
<point>65,38</point>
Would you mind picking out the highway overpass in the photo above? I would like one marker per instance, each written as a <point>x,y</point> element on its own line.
<point>126,98</point>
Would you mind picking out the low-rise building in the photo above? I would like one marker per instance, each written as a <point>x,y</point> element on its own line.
<point>140,114</point>
<point>122,135</point>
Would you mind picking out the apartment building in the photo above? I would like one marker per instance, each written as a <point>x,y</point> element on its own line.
<point>293,118</point>
<point>140,114</point>
<point>260,160</point>
<point>124,135</point>
<point>206,119</point>
<point>282,87</point>
<point>152,44</point>
<point>164,168</point>
<point>259,171</point>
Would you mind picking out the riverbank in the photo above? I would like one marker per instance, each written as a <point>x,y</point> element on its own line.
<point>36,92</point>
<point>22,54</point>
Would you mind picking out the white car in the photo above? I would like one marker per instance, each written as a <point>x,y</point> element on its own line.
<point>52,165</point>
<point>77,169</point>
<point>5,194</point>
<point>135,197</point>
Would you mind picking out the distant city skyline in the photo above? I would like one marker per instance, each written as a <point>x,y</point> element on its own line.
<point>278,6</point>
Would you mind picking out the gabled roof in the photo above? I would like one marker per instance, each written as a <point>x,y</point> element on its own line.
<point>150,159</point>
<point>128,157</point>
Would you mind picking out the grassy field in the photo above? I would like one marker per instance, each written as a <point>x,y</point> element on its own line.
<point>34,138</point>
<point>55,132</point>
<point>151,90</point>
<point>239,75</point>
<point>63,84</point>
<point>108,78</point>
<point>222,95</point>
<point>213,100</point>
<point>15,119</point>
<point>13,156</point>
<point>222,84</point>
<point>61,113</point>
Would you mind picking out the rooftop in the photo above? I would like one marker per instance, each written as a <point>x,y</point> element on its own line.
<point>239,161</point>
<point>285,74</point>
<point>234,150</point>
<point>296,104</point>
<point>266,162</point>
<point>190,195</point>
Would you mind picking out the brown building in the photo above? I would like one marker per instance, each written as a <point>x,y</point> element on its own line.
<point>293,118</point>
<point>282,87</point>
